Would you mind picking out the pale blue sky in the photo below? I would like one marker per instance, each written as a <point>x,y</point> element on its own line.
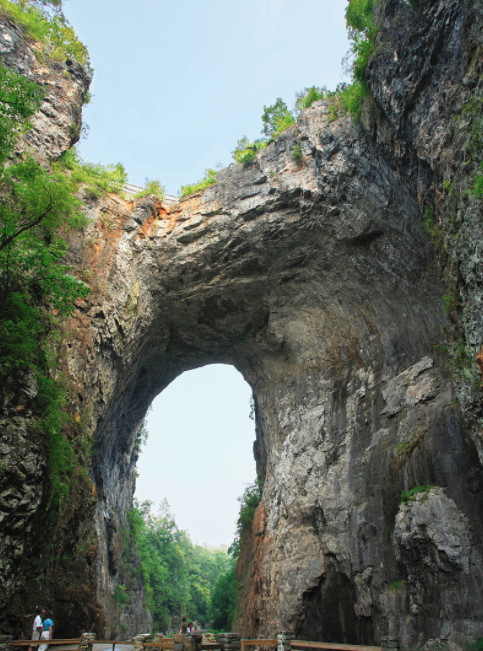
<point>199,453</point>
<point>176,84</point>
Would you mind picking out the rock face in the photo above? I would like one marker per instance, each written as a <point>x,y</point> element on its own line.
<point>57,125</point>
<point>319,284</point>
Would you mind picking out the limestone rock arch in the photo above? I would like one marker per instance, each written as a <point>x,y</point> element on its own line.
<point>319,285</point>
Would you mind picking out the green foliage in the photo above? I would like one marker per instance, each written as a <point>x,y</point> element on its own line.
<point>142,436</point>
<point>120,596</point>
<point>308,96</point>
<point>35,207</point>
<point>397,586</point>
<point>276,118</point>
<point>25,347</point>
<point>249,501</point>
<point>252,413</point>
<point>477,645</point>
<point>297,154</point>
<point>362,35</point>
<point>245,151</point>
<point>52,30</point>
<point>350,99</point>
<point>19,100</point>
<point>151,187</point>
<point>449,303</point>
<point>223,599</point>
<point>206,181</point>
<point>408,496</point>
<point>179,577</point>
<point>96,179</point>
<point>471,119</point>
<point>51,400</point>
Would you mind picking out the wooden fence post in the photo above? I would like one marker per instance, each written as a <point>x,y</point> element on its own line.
<point>87,641</point>
<point>390,643</point>
<point>229,641</point>
<point>284,640</point>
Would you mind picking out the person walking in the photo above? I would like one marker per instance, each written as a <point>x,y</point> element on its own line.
<point>38,627</point>
<point>183,630</point>
<point>47,632</point>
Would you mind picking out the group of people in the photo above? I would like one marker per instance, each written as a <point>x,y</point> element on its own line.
<point>42,630</point>
<point>186,628</point>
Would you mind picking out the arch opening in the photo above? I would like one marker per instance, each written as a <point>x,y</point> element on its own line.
<point>199,451</point>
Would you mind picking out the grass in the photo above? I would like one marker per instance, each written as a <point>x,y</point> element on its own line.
<point>397,586</point>
<point>210,178</point>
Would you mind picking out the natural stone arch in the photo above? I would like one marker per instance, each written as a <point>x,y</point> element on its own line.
<point>318,284</point>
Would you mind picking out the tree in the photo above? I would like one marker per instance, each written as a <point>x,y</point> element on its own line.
<point>179,577</point>
<point>35,207</point>
<point>223,599</point>
<point>276,118</point>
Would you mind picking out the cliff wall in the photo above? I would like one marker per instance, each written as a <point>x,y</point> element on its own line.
<point>319,283</point>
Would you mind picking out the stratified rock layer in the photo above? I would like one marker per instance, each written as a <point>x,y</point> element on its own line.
<point>319,284</point>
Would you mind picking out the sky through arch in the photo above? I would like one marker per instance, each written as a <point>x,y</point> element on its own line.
<point>199,453</point>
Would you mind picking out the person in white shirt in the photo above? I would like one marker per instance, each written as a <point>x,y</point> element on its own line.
<point>38,627</point>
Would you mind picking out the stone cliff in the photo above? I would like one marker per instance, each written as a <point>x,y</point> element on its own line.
<point>320,285</point>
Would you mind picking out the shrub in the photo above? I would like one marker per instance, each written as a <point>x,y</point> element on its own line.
<point>276,118</point>
<point>245,151</point>
<point>120,596</point>
<point>307,96</point>
<point>397,586</point>
<point>297,154</point>
<point>408,496</point>
<point>53,31</point>
<point>210,178</point>
<point>151,187</point>
<point>97,179</point>
<point>362,34</point>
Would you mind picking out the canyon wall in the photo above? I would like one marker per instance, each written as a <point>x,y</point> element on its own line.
<point>320,285</point>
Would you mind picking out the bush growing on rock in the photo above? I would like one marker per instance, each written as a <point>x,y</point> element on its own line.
<point>206,181</point>
<point>151,187</point>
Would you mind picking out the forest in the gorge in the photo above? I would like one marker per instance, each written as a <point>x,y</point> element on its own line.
<point>179,577</point>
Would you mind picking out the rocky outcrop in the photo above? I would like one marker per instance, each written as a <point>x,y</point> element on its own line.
<point>57,125</point>
<point>318,282</point>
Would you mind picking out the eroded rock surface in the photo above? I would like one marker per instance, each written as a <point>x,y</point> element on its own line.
<point>57,125</point>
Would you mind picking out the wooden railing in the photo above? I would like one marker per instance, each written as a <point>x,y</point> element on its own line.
<point>302,644</point>
<point>263,642</point>
<point>76,641</point>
